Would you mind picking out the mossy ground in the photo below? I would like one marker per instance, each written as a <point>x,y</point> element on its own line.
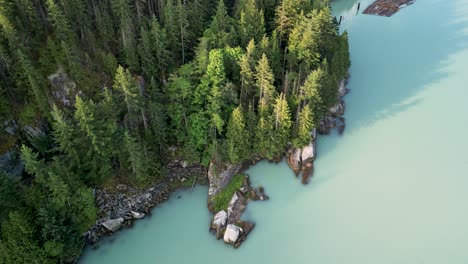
<point>221,199</point>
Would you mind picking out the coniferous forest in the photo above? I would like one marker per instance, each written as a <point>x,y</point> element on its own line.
<point>115,83</point>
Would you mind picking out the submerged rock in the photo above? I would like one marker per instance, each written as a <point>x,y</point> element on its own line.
<point>113,224</point>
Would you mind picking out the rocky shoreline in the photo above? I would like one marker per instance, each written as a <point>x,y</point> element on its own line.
<point>120,206</point>
<point>124,204</point>
<point>301,160</point>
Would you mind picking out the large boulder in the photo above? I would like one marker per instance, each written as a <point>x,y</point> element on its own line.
<point>232,233</point>
<point>301,159</point>
<point>219,176</point>
<point>309,152</point>
<point>113,224</point>
<point>219,219</point>
<point>294,160</point>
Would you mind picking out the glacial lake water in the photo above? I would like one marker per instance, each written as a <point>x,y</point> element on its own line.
<point>392,189</point>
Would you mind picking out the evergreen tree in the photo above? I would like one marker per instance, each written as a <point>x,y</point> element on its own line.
<point>19,241</point>
<point>237,142</point>
<point>182,25</point>
<point>159,47</point>
<point>137,158</point>
<point>216,75</point>
<point>264,81</point>
<point>37,90</point>
<point>251,23</point>
<point>221,31</point>
<point>282,123</point>
<point>123,11</point>
<point>304,127</point>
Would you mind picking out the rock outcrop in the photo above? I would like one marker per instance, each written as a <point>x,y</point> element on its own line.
<point>219,176</point>
<point>228,225</point>
<point>236,207</point>
<point>232,234</point>
<point>301,160</point>
<point>113,224</point>
<point>63,89</point>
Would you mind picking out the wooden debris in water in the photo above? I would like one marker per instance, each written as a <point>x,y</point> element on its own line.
<point>386,7</point>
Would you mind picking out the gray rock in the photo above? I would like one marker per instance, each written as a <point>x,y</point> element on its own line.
<point>219,219</point>
<point>294,160</point>
<point>34,131</point>
<point>113,224</point>
<point>219,176</point>
<point>11,164</point>
<point>10,127</point>
<point>236,207</point>
<point>338,109</point>
<point>309,152</point>
<point>137,215</point>
<point>232,233</point>
<point>342,90</point>
<point>63,88</point>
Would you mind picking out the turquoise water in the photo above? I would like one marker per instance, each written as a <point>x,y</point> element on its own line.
<point>392,189</point>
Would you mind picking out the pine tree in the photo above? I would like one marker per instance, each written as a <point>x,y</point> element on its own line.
<point>145,51</point>
<point>128,92</point>
<point>159,47</point>
<point>304,127</point>
<point>182,25</point>
<point>18,239</point>
<point>60,23</point>
<point>216,75</point>
<point>287,13</point>
<point>237,142</point>
<point>264,81</point>
<point>221,31</point>
<point>123,11</point>
<point>251,23</point>
<point>282,123</point>
<point>137,158</point>
<point>304,41</point>
<point>37,90</point>
<point>264,144</point>
<point>246,77</point>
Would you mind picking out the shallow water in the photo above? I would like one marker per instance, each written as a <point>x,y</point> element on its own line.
<point>392,189</point>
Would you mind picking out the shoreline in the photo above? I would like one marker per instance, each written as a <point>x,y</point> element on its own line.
<point>128,204</point>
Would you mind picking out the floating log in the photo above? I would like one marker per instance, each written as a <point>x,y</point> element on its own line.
<point>386,7</point>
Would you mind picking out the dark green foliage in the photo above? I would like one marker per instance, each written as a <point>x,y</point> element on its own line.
<point>223,80</point>
<point>237,142</point>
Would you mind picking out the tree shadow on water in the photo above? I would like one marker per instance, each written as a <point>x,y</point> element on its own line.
<point>395,59</point>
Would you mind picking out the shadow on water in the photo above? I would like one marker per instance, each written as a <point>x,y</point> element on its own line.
<point>414,52</point>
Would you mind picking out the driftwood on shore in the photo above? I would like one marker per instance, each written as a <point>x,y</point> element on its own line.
<point>386,7</point>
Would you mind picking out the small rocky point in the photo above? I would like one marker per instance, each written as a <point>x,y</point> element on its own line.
<point>301,160</point>
<point>226,224</point>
